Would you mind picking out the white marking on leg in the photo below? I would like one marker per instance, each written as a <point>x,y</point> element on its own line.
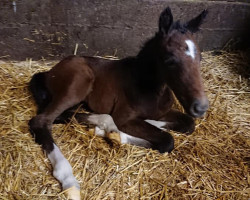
<point>99,132</point>
<point>128,139</point>
<point>62,170</point>
<point>104,122</point>
<point>191,49</point>
<point>158,124</point>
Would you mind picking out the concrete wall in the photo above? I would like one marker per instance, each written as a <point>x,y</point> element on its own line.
<point>51,28</point>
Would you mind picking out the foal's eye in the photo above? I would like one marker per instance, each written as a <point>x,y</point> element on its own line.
<point>170,62</point>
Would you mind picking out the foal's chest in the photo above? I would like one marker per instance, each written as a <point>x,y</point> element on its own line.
<point>156,105</point>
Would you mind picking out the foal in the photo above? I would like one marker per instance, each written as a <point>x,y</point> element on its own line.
<point>132,96</point>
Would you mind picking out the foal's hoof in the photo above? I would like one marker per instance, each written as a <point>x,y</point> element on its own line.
<point>185,125</point>
<point>73,193</point>
<point>115,137</point>
<point>166,145</point>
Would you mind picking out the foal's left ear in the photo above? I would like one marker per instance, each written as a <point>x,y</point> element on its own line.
<point>194,24</point>
<point>165,21</point>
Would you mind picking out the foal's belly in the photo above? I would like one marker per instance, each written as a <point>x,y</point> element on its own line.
<point>99,104</point>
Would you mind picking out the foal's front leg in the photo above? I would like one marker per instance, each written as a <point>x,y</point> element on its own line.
<point>158,139</point>
<point>136,132</point>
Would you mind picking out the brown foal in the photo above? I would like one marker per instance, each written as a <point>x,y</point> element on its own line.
<point>132,96</point>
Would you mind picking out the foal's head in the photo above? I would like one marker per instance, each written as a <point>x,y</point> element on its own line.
<point>179,61</point>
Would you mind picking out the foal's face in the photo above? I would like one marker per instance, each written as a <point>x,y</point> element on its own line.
<point>180,63</point>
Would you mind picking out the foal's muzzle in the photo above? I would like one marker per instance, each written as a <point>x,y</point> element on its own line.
<point>199,107</point>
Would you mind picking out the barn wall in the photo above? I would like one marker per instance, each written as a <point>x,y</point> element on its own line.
<point>51,28</point>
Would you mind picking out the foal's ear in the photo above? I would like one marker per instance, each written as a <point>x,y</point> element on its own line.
<point>194,24</point>
<point>165,21</point>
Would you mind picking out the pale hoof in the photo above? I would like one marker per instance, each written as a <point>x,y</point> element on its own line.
<point>113,136</point>
<point>73,193</point>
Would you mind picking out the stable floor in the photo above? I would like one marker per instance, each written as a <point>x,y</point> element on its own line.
<point>212,163</point>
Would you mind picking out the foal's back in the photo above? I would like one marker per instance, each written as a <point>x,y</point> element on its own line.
<point>106,81</point>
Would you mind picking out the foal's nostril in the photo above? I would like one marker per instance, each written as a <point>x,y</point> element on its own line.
<point>198,109</point>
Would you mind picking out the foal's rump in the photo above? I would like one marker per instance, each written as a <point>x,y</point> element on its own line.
<point>43,97</point>
<point>70,77</point>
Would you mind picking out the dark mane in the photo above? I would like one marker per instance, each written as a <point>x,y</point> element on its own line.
<point>149,48</point>
<point>146,71</point>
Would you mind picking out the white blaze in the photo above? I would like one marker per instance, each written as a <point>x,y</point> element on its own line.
<point>191,49</point>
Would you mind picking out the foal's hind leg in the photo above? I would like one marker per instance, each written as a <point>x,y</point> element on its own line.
<point>40,126</point>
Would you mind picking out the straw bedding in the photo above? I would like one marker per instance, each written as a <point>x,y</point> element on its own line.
<point>212,163</point>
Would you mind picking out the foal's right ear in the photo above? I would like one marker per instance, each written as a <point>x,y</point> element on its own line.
<point>165,21</point>
<point>194,24</point>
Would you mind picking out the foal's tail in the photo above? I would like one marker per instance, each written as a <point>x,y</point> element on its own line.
<point>39,91</point>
